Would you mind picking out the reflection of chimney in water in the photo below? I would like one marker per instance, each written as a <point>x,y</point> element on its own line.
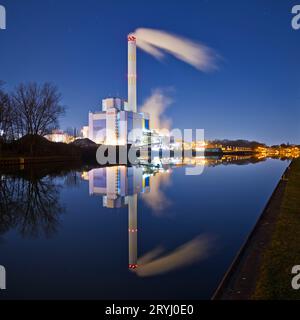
<point>132,231</point>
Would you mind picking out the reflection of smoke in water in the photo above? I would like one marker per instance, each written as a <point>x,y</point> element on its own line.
<point>155,198</point>
<point>187,254</point>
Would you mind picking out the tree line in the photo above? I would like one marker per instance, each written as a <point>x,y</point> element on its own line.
<point>30,109</point>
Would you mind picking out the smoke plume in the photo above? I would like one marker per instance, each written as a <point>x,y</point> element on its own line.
<point>157,42</point>
<point>156,105</point>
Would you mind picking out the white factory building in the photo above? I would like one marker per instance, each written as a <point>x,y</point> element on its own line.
<point>119,123</point>
<point>116,124</point>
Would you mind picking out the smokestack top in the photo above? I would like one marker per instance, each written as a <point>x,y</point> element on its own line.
<point>131,38</point>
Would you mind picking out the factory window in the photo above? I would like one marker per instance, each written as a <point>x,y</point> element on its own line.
<point>100,179</point>
<point>147,181</point>
<point>130,123</point>
<point>146,124</point>
<point>99,124</point>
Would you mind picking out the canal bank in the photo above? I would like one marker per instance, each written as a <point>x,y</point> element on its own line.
<point>21,161</point>
<point>262,268</point>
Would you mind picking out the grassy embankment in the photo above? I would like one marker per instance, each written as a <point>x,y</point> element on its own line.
<point>283,252</point>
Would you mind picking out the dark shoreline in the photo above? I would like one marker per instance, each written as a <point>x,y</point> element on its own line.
<point>89,154</point>
<point>27,160</point>
<point>240,280</point>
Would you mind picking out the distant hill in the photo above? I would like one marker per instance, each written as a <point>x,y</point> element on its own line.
<point>238,143</point>
<point>84,143</point>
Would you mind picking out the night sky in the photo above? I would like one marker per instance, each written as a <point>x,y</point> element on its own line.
<point>81,46</point>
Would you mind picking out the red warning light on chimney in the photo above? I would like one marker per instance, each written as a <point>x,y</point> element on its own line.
<point>131,38</point>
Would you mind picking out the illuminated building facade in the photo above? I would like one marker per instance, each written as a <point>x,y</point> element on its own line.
<point>116,125</point>
<point>59,136</point>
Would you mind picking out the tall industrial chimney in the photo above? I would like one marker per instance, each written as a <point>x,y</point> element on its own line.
<point>132,99</point>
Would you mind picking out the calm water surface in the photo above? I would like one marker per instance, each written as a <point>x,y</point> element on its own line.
<point>128,233</point>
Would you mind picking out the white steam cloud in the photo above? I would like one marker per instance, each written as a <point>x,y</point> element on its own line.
<point>155,106</point>
<point>157,42</point>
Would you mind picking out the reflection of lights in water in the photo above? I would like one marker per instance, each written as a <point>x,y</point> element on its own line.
<point>195,161</point>
<point>85,176</point>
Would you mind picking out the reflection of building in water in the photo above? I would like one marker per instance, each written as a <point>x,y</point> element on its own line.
<point>117,183</point>
<point>120,186</point>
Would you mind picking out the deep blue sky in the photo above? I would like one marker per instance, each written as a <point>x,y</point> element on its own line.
<point>81,47</point>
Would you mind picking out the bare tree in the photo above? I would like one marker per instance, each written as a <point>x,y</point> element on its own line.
<point>37,108</point>
<point>6,116</point>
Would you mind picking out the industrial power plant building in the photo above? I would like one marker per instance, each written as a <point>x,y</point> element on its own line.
<point>116,125</point>
<point>119,123</point>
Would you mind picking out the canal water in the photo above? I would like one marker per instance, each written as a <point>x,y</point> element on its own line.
<point>128,233</point>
